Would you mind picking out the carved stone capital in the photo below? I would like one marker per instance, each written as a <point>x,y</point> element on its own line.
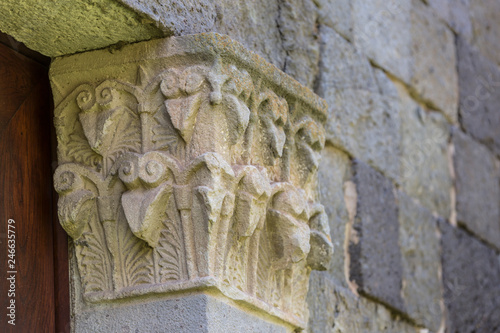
<point>190,162</point>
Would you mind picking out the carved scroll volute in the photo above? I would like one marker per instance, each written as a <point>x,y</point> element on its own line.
<point>73,197</point>
<point>103,111</point>
<point>148,180</point>
<point>288,225</point>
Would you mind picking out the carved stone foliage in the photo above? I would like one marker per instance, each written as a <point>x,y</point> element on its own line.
<point>189,162</point>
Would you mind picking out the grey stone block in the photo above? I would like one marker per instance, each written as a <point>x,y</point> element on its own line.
<point>485,21</point>
<point>382,32</point>
<point>361,120</point>
<point>187,314</point>
<point>420,252</point>
<point>342,65</point>
<point>337,15</point>
<point>425,172</point>
<point>479,80</point>
<point>334,170</point>
<point>337,310</point>
<point>434,75</point>
<point>374,251</point>
<point>471,280</point>
<point>477,188</point>
<point>297,25</point>
<point>455,13</point>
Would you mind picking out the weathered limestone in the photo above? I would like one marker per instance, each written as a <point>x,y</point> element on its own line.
<point>479,95</point>
<point>56,28</point>
<point>425,173</point>
<point>190,163</point>
<point>471,280</point>
<point>334,172</point>
<point>336,14</point>
<point>382,32</point>
<point>406,39</point>
<point>362,121</point>
<point>338,310</point>
<point>478,188</point>
<point>434,74</point>
<point>420,252</point>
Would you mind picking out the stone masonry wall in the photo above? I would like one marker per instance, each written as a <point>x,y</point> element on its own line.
<point>410,175</point>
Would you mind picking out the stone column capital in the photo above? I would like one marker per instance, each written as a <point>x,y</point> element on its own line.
<point>190,163</point>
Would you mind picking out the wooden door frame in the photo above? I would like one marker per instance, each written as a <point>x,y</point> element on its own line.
<point>59,237</point>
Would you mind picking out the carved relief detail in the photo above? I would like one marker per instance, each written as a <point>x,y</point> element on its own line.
<point>198,174</point>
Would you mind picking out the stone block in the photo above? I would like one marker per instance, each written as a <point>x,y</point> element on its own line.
<point>477,188</point>
<point>367,125</point>
<point>485,21</point>
<point>342,65</point>
<point>479,81</point>
<point>361,120</point>
<point>455,13</point>
<point>420,251</point>
<point>334,171</point>
<point>434,76</point>
<point>471,280</point>
<point>375,257</point>
<point>64,27</point>
<point>337,310</point>
<point>187,314</point>
<point>382,31</point>
<point>336,14</point>
<point>425,172</point>
<point>297,25</point>
<point>247,22</point>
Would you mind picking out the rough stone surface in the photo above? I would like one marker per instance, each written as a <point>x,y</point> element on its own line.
<point>63,27</point>
<point>420,250</point>
<point>334,171</point>
<point>455,13</point>
<point>186,163</point>
<point>382,31</point>
<point>479,80</point>
<point>289,27</point>
<point>298,27</point>
<point>335,309</point>
<point>336,14</point>
<point>477,188</point>
<point>471,280</point>
<point>187,314</point>
<point>433,76</point>
<point>255,25</point>
<point>179,17</point>
<point>361,120</point>
<point>374,251</point>
<point>425,174</point>
<point>485,21</point>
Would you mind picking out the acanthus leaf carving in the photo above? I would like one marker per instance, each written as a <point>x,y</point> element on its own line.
<point>198,172</point>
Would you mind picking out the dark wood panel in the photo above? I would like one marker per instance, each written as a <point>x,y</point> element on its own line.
<point>18,76</point>
<point>61,260</point>
<point>26,197</point>
<point>19,47</point>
